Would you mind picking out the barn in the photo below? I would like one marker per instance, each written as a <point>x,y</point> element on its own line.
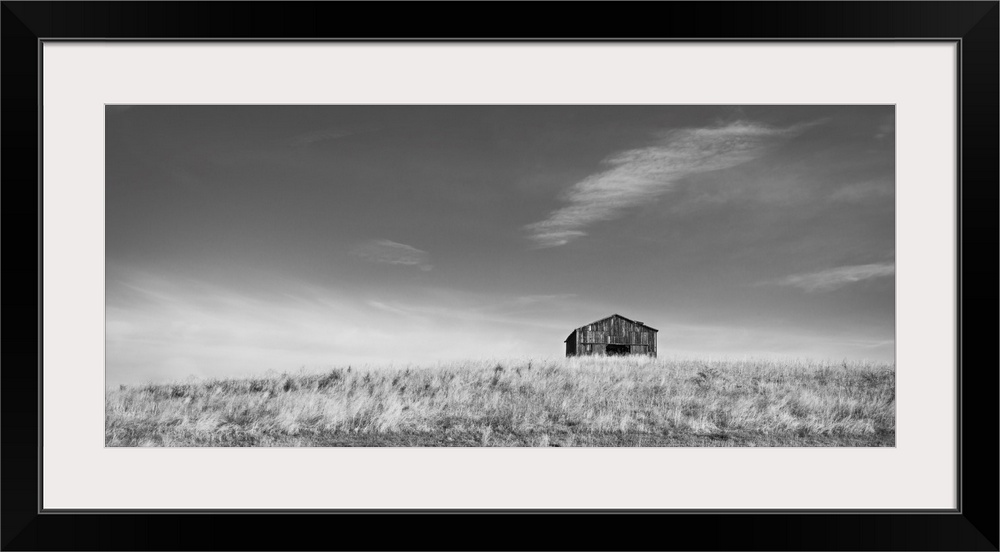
<point>614,335</point>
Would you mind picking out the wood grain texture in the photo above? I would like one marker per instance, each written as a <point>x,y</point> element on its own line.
<point>593,338</point>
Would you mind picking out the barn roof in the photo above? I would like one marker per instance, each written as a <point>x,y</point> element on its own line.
<point>612,316</point>
<point>623,318</point>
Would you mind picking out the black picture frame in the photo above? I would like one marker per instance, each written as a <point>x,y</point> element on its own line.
<point>973,525</point>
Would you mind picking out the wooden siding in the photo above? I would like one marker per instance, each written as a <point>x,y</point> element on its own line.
<point>613,330</point>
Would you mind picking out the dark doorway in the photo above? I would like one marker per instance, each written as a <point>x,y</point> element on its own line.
<point>613,350</point>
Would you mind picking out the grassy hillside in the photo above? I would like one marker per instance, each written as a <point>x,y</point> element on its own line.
<point>573,402</point>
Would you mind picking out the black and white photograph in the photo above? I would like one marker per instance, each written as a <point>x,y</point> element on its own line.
<point>500,276</point>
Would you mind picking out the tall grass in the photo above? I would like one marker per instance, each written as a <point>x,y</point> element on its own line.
<point>585,401</point>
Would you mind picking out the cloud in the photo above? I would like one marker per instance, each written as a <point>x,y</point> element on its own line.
<point>638,175</point>
<point>886,128</point>
<point>835,278</point>
<point>334,133</point>
<point>397,311</point>
<point>461,313</point>
<point>861,192</point>
<point>390,252</point>
<point>163,328</point>
<point>525,300</point>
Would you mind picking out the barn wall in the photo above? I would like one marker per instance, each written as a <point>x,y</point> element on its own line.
<point>594,338</point>
<point>571,343</point>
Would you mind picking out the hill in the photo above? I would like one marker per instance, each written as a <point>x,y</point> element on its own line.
<point>583,401</point>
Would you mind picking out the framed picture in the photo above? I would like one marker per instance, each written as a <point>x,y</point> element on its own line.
<point>702,271</point>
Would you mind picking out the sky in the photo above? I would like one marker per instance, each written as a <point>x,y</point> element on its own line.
<point>247,239</point>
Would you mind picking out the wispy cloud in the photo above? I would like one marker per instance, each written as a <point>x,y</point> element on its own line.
<point>390,252</point>
<point>861,192</point>
<point>334,133</point>
<point>465,314</point>
<point>397,311</point>
<point>526,300</point>
<point>886,128</point>
<point>834,278</point>
<point>638,175</point>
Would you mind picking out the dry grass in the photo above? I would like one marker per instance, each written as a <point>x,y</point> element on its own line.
<point>574,402</point>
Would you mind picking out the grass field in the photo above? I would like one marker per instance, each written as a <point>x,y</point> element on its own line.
<point>586,401</point>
